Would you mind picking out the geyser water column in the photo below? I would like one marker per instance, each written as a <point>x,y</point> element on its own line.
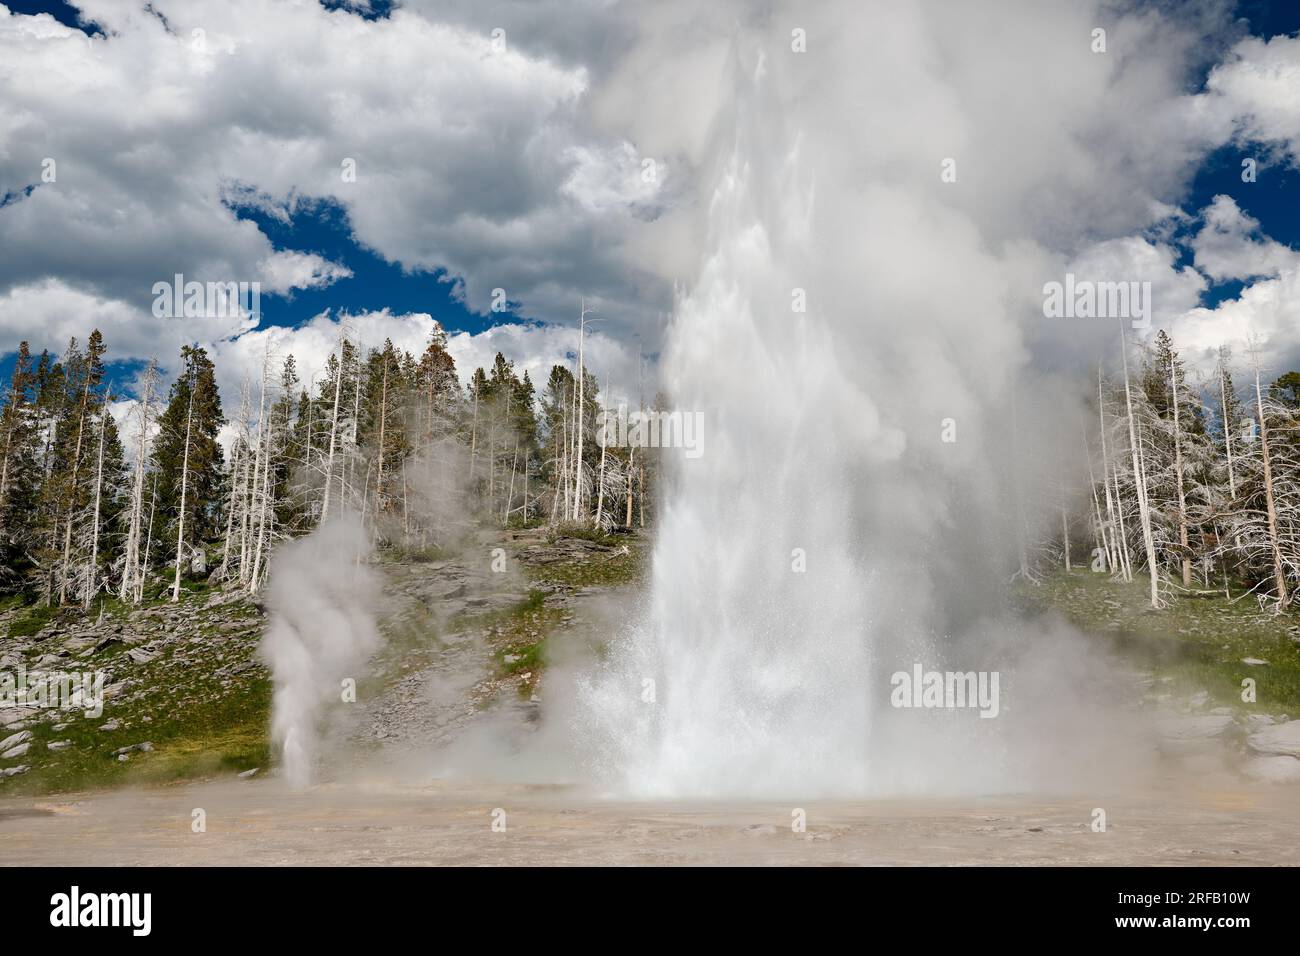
<point>750,675</point>
<point>822,437</point>
<point>322,597</point>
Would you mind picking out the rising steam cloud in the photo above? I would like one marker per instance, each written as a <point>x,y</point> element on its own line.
<point>322,597</point>
<point>818,177</point>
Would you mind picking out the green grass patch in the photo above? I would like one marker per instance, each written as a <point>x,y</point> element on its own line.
<point>521,632</point>
<point>625,564</point>
<point>205,708</point>
<point>405,554</point>
<point>191,738</point>
<point>1199,642</point>
<point>33,620</point>
<point>525,658</point>
<point>584,531</point>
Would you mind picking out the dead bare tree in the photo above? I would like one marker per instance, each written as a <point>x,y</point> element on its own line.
<point>1144,509</point>
<point>132,563</point>
<point>1279,574</point>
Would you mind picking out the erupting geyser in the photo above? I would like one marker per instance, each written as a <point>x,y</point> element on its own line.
<point>841,309</point>
<point>751,673</point>
<point>322,599</point>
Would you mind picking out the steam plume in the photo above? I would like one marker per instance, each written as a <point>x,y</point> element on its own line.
<point>322,600</point>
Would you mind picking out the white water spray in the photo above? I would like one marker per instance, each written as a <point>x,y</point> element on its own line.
<point>751,672</point>
<point>322,598</point>
<point>828,538</point>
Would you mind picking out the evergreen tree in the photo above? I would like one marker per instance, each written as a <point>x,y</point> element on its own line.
<point>69,486</point>
<point>382,427</point>
<point>291,446</point>
<point>1286,390</point>
<point>524,420</point>
<point>101,538</point>
<point>188,459</point>
<point>20,466</point>
<point>436,385</point>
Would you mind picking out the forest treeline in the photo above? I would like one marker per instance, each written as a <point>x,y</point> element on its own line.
<point>88,509</point>
<point>1188,486</point>
<point>1191,486</point>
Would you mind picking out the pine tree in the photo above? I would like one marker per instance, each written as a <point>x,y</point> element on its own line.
<point>100,539</point>
<point>383,430</point>
<point>437,386</point>
<point>340,401</point>
<point>1286,390</point>
<point>188,459</point>
<point>479,391</point>
<point>291,452</point>
<point>20,460</point>
<point>556,415</point>
<point>69,485</point>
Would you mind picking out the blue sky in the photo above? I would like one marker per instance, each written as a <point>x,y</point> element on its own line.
<point>1273,199</point>
<point>322,228</point>
<point>535,189</point>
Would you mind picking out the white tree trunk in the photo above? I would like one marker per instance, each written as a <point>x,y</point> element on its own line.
<point>510,495</point>
<point>1126,556</point>
<point>356,436</point>
<point>473,436</point>
<point>264,517</point>
<point>72,494</point>
<point>1139,480</point>
<point>1227,431</point>
<point>185,480</point>
<point>1112,506</point>
<point>581,415</point>
<point>600,478</point>
<point>383,421</point>
<point>92,571</point>
<point>131,563</point>
<point>148,543</point>
<point>1178,471</point>
<point>1278,573</point>
<point>631,458</point>
<point>334,431</point>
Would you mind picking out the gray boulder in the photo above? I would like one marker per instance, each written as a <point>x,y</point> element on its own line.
<point>1278,740</point>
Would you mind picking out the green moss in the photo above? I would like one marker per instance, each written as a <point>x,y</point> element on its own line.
<point>584,531</point>
<point>400,554</point>
<point>625,564</point>
<point>521,632</point>
<point>526,657</point>
<point>32,621</point>
<point>191,736</point>
<point>198,721</point>
<point>1198,642</point>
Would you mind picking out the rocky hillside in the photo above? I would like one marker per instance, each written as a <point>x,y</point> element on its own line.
<point>186,694</point>
<point>1221,676</point>
<point>182,683</point>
